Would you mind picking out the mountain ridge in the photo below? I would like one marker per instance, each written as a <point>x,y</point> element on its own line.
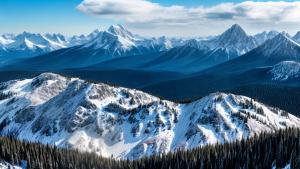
<point>117,41</point>
<point>126,123</point>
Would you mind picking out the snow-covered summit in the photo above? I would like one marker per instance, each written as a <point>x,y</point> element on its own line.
<point>117,40</point>
<point>285,70</point>
<point>281,45</point>
<point>119,30</point>
<point>126,123</point>
<point>58,38</point>
<point>235,38</point>
<point>33,44</point>
<point>233,34</point>
<point>5,41</point>
<point>234,41</point>
<point>30,41</point>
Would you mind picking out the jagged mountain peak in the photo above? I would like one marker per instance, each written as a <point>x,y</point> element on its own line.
<point>114,42</point>
<point>282,44</point>
<point>111,42</point>
<point>5,41</point>
<point>236,28</point>
<point>56,37</point>
<point>119,30</point>
<point>36,41</point>
<point>8,36</point>
<point>234,40</point>
<point>126,123</point>
<point>264,36</point>
<point>275,50</point>
<point>235,31</point>
<point>28,35</point>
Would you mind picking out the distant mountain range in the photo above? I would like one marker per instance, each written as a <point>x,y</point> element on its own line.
<point>196,76</point>
<point>274,64</point>
<point>114,42</point>
<point>101,46</point>
<point>279,49</point>
<point>173,68</point>
<point>27,45</point>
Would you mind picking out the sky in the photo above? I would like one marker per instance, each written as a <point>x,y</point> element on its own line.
<point>181,18</point>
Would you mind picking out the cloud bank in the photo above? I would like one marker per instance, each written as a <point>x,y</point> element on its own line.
<point>143,13</point>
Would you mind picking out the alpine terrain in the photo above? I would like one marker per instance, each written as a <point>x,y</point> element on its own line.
<point>125,123</point>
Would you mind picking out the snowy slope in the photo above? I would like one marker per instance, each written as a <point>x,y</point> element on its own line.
<point>285,70</point>
<point>125,123</point>
<point>199,54</point>
<point>264,36</point>
<point>234,41</point>
<point>29,44</point>
<point>117,41</point>
<point>5,41</point>
<point>5,165</point>
<point>33,44</point>
<point>297,37</point>
<point>162,43</point>
<point>281,46</point>
<point>30,41</point>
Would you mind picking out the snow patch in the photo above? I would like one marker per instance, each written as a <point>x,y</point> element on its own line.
<point>286,70</point>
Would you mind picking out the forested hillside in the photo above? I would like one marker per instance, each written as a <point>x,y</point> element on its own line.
<point>264,151</point>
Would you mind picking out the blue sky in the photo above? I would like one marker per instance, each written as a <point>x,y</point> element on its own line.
<point>63,16</point>
<point>45,16</point>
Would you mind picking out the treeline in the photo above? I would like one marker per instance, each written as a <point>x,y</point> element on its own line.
<point>259,152</point>
<point>283,97</point>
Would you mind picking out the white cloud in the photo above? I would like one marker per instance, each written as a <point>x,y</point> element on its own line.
<point>135,11</point>
<point>143,13</point>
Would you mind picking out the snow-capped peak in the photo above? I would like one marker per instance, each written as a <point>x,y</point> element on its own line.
<point>32,41</point>
<point>235,30</point>
<point>126,123</point>
<point>235,34</point>
<point>285,70</point>
<point>165,43</point>
<point>234,40</point>
<point>5,41</point>
<point>264,36</point>
<point>57,38</point>
<point>116,40</point>
<point>119,30</point>
<point>281,45</point>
